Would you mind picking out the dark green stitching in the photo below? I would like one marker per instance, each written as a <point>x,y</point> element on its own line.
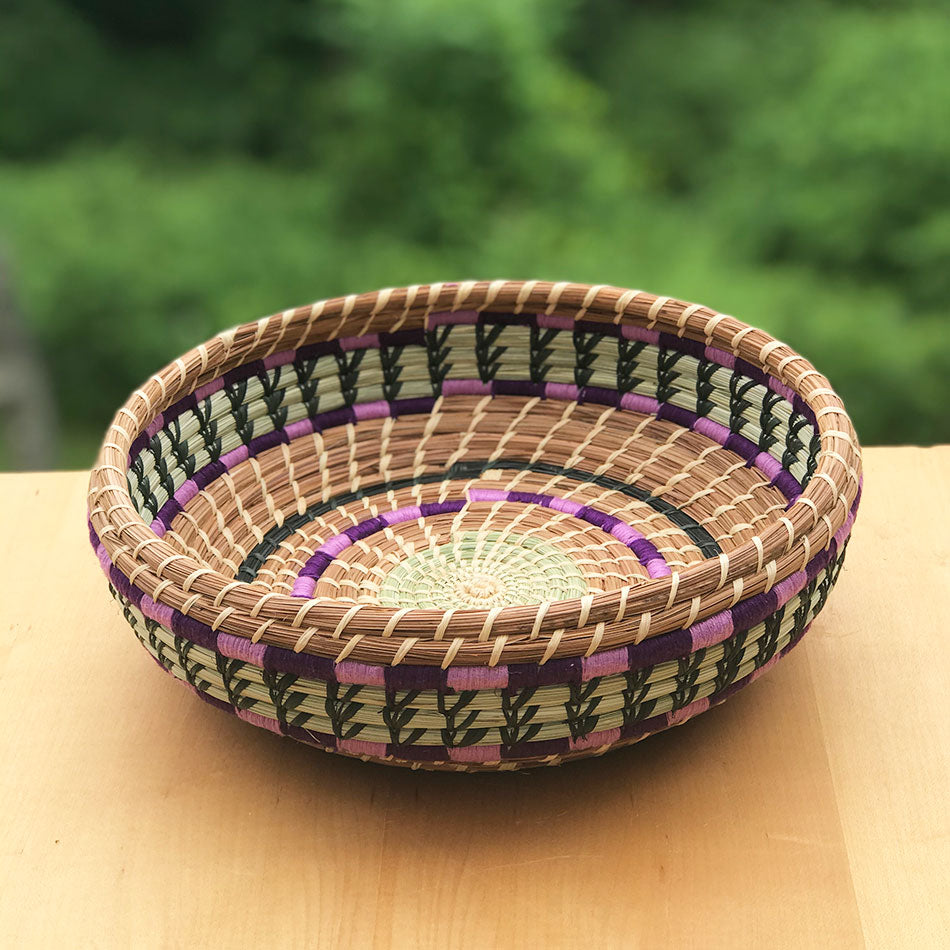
<point>581,708</point>
<point>348,368</point>
<point>273,396</point>
<point>487,355</point>
<point>341,708</point>
<point>739,389</point>
<point>727,667</point>
<point>458,732</point>
<point>628,362</point>
<point>794,446</point>
<point>585,355</point>
<point>518,715</point>
<point>392,369</point>
<point>234,683</point>
<point>687,674</point>
<point>308,384</point>
<point>397,714</point>
<point>769,421</point>
<point>705,370</point>
<point>540,353</point>
<point>767,644</point>
<point>284,697</point>
<point>437,355</point>
<point>667,373</point>
<point>635,704</point>
<point>236,394</point>
<point>208,428</point>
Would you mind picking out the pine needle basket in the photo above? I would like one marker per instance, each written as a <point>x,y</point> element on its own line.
<point>478,525</point>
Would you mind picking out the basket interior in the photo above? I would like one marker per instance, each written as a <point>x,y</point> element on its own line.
<point>484,460</point>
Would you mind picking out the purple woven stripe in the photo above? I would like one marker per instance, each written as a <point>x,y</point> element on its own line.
<point>747,613</point>
<point>780,479</point>
<point>488,318</point>
<point>324,556</point>
<point>522,750</point>
<point>466,387</point>
<point>646,553</point>
<point>545,747</point>
<point>368,342</point>
<point>445,318</point>
<point>788,485</point>
<point>417,753</point>
<point>667,646</point>
<point>411,407</point>
<point>313,569</point>
<point>416,337</point>
<point>121,583</point>
<point>403,677</point>
<point>653,650</point>
<point>281,660</point>
<point>682,344</point>
<point>365,528</point>
<point>679,415</point>
<point>599,396</point>
<point>398,678</point>
<point>529,675</point>
<point>519,676</point>
<point>742,447</point>
<point>516,387</point>
<point>432,508</point>
<point>325,420</point>
<point>212,471</point>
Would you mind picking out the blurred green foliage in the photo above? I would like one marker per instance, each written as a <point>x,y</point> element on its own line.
<point>170,169</point>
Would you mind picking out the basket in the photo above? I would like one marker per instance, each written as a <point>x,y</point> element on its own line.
<point>483,525</point>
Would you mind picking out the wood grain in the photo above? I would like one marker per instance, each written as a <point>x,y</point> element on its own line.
<point>810,810</point>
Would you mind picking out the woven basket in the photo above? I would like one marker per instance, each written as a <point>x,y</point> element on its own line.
<point>483,525</point>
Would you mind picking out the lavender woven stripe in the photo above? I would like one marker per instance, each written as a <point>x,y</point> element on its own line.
<point>474,755</point>
<point>646,553</point>
<point>323,557</point>
<point>255,367</point>
<point>658,649</point>
<point>416,337</point>
<point>778,477</point>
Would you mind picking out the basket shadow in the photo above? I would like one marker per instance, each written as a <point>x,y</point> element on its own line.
<point>732,800</point>
<point>663,778</point>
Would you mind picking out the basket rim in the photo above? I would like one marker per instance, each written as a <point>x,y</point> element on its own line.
<point>574,627</point>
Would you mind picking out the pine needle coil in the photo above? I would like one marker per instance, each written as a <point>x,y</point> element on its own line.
<point>477,525</point>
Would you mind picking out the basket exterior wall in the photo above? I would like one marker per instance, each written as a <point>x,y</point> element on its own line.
<point>587,707</point>
<point>512,690</point>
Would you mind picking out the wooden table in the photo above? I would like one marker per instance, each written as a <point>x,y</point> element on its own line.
<point>810,810</point>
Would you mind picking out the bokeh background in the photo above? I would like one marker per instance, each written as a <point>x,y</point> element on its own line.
<point>170,169</point>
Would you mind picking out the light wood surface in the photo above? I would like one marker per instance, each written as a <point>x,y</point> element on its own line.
<point>810,810</point>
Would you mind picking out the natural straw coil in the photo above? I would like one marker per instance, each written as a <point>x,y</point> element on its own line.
<point>476,525</point>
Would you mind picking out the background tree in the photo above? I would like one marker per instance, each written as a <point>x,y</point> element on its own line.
<point>168,170</point>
